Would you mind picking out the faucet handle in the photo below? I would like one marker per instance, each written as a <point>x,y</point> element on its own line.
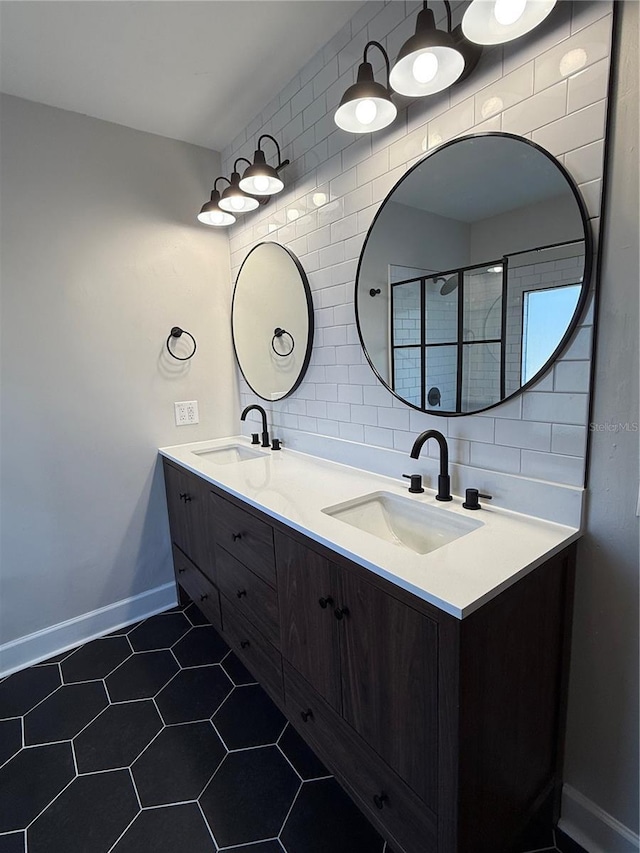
<point>416,483</point>
<point>471,499</point>
<point>255,438</point>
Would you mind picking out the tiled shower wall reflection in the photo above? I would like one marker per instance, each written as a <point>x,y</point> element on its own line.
<point>551,87</point>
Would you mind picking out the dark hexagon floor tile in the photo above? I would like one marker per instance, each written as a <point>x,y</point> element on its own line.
<point>301,756</point>
<point>178,764</point>
<point>324,818</point>
<point>159,632</point>
<point>141,676</point>
<point>23,690</point>
<point>30,780</point>
<point>126,629</point>
<point>200,646</point>
<point>194,694</point>
<point>237,671</point>
<point>95,660</point>
<point>117,737</point>
<point>195,615</point>
<point>249,796</point>
<point>168,830</point>
<point>10,739</point>
<point>249,718</point>
<point>65,713</point>
<point>90,815</point>
<point>13,843</point>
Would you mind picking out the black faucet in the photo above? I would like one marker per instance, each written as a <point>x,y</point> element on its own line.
<point>265,433</point>
<point>444,481</point>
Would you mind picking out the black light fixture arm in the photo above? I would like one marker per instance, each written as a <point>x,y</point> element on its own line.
<point>239,160</point>
<point>220,178</point>
<point>385,55</point>
<point>281,163</point>
<point>447,6</point>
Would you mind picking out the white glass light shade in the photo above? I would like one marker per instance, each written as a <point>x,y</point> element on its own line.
<point>498,21</point>
<point>426,71</point>
<point>366,106</point>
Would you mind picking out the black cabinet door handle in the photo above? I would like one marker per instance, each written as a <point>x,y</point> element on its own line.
<point>181,571</point>
<point>340,612</point>
<point>380,800</point>
<point>325,602</point>
<point>236,536</point>
<point>244,644</point>
<point>241,592</point>
<point>204,597</point>
<point>183,496</point>
<point>306,715</point>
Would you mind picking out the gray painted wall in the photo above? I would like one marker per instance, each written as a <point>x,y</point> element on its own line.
<point>101,256</point>
<point>602,746</point>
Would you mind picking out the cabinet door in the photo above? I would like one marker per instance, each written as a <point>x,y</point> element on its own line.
<point>308,635</point>
<point>389,681</point>
<point>191,517</point>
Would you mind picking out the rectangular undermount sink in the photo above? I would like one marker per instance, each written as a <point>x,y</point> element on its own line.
<point>229,453</point>
<point>419,527</point>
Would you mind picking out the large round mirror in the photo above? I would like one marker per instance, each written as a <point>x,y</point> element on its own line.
<point>473,274</point>
<point>272,321</point>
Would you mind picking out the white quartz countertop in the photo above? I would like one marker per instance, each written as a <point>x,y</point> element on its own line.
<point>458,578</point>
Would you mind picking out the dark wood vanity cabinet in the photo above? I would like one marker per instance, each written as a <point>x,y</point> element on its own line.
<point>446,732</point>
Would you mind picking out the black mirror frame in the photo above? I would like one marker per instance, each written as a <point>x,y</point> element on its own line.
<point>586,278</point>
<point>309,300</point>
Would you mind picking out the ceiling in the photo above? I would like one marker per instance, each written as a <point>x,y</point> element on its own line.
<point>196,71</point>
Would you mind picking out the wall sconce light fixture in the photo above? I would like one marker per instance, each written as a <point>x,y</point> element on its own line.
<point>211,213</point>
<point>260,178</point>
<point>498,21</point>
<point>430,60</point>
<point>366,106</point>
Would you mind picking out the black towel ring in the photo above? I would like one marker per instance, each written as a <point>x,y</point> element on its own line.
<point>177,332</point>
<point>278,333</point>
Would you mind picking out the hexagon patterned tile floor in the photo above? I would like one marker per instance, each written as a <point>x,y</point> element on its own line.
<point>158,738</point>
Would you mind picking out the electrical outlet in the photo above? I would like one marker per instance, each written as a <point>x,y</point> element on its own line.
<point>186,412</point>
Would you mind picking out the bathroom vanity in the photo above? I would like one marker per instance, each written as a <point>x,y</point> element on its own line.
<point>441,715</point>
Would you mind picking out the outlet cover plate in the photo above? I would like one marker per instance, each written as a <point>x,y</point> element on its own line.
<point>186,412</point>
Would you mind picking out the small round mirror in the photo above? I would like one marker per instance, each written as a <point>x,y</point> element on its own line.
<point>473,275</point>
<point>272,321</point>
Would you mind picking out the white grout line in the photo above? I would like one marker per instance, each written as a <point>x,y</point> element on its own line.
<point>206,823</point>
<point>123,832</point>
<point>299,775</point>
<point>135,789</point>
<point>150,742</point>
<point>284,822</point>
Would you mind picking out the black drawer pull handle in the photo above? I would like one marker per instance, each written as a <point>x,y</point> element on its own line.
<point>181,571</point>
<point>204,597</point>
<point>340,612</point>
<point>380,800</point>
<point>325,602</point>
<point>185,497</point>
<point>241,592</point>
<point>236,536</point>
<point>244,644</point>
<point>306,715</point>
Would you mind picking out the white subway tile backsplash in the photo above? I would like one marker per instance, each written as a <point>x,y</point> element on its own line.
<point>494,457</point>
<point>525,434</point>
<point>572,376</point>
<point>554,407</point>
<point>568,440</point>
<point>549,86</point>
<point>547,466</point>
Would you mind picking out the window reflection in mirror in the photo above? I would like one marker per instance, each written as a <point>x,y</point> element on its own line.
<point>454,253</point>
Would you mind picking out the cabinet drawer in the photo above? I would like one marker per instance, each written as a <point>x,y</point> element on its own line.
<point>388,802</point>
<point>249,595</point>
<point>199,588</point>
<point>255,651</point>
<point>246,537</point>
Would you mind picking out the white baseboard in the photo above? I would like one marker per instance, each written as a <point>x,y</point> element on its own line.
<point>36,647</point>
<point>592,827</point>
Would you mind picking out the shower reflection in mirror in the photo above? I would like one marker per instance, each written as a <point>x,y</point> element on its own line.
<point>475,335</point>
